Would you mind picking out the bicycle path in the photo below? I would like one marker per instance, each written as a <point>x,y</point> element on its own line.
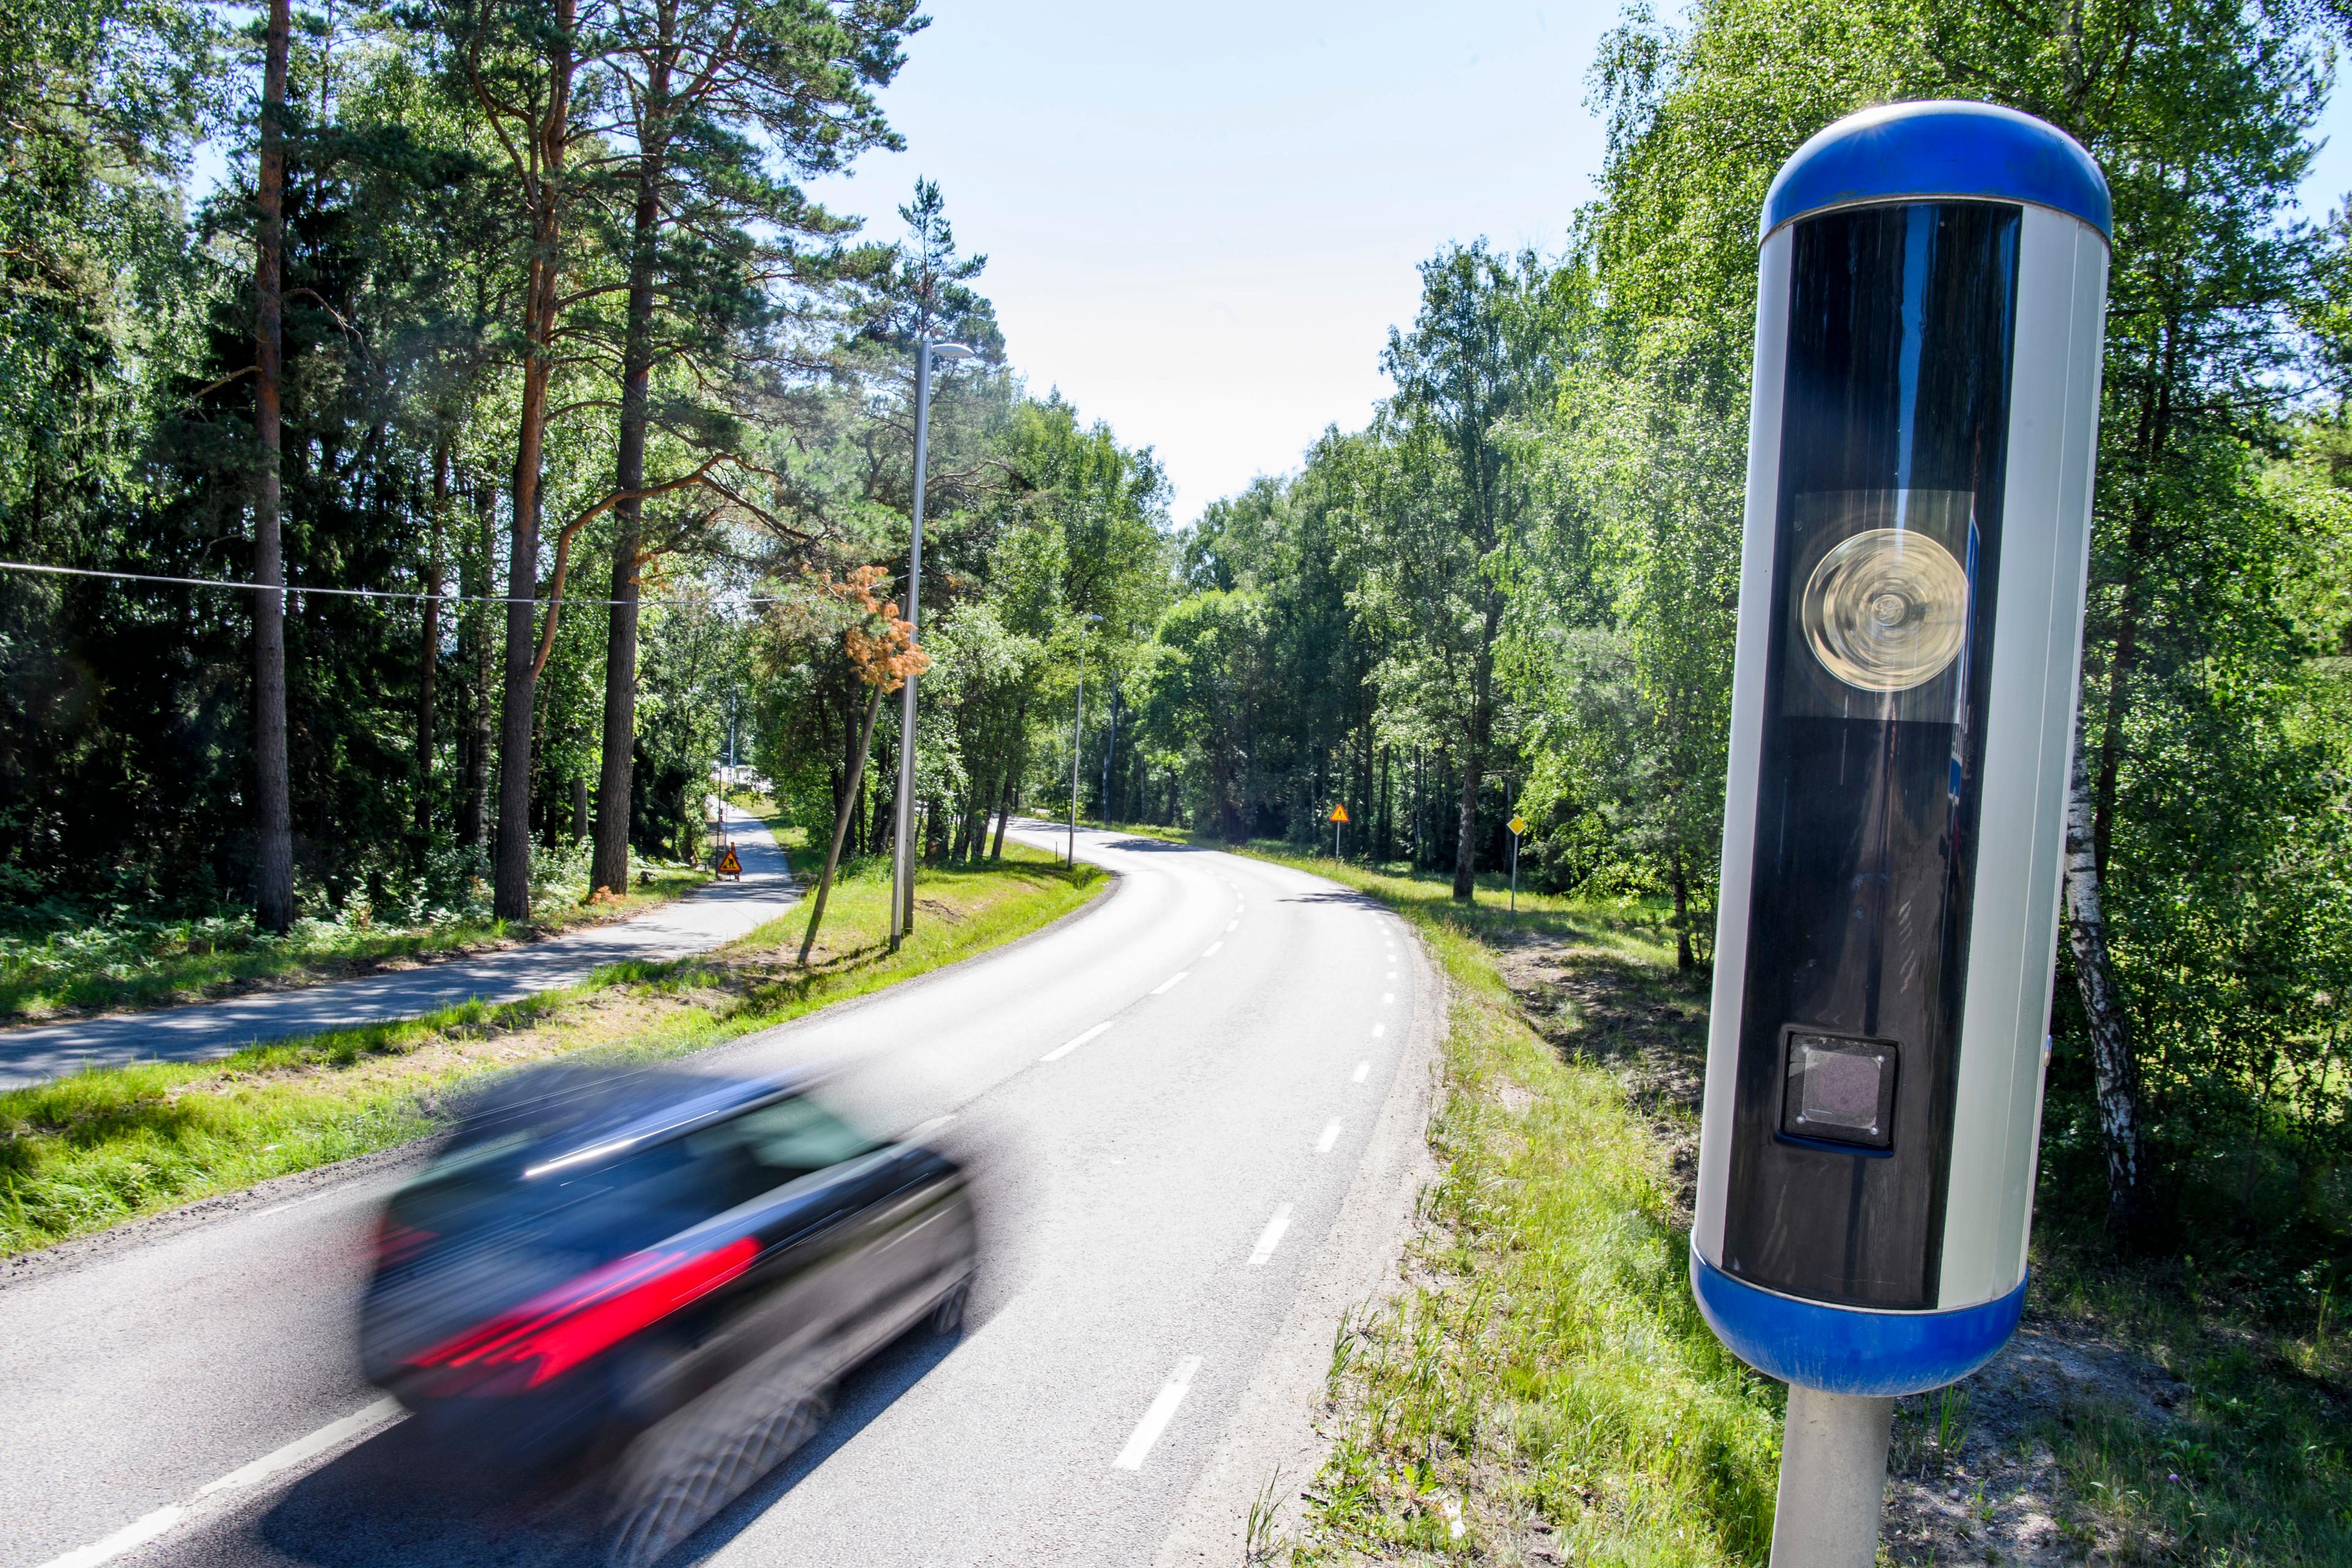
<point>710,916</point>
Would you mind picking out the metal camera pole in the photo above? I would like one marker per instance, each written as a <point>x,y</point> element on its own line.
<point>902,864</point>
<point>1077,731</point>
<point>1832,1479</point>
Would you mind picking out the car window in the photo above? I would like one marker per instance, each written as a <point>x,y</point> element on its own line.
<point>760,1149</point>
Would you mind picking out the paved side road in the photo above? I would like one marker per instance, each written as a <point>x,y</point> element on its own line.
<point>708,917</point>
<point>1195,1114</point>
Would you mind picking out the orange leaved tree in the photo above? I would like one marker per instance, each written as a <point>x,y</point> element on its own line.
<point>882,651</point>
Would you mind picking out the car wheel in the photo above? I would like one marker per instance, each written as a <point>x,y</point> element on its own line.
<point>947,1316</point>
<point>676,1478</point>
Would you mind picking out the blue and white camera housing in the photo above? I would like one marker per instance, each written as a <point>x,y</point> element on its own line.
<point>1929,313</point>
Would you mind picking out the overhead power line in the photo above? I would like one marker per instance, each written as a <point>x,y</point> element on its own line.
<point>41,569</point>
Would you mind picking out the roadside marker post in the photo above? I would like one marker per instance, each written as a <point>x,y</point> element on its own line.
<point>1930,309</point>
<point>1339,821</point>
<point>1518,830</point>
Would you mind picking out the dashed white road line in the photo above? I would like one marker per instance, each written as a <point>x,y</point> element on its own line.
<point>1208,952</point>
<point>1377,1029</point>
<point>1387,997</point>
<point>1363,1069</point>
<point>1155,1420</point>
<point>1064,1049</point>
<point>1271,1237</point>
<point>1230,925</point>
<point>1170,983</point>
<point>141,1531</point>
<point>1330,1136</point>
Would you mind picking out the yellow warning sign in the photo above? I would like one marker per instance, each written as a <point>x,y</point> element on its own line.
<point>1338,814</point>
<point>729,866</point>
<point>1518,825</point>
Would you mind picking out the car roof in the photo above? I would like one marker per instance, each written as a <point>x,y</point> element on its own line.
<point>571,1116</point>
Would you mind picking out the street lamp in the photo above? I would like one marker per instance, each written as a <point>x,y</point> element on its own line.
<point>902,864</point>
<point>1078,730</point>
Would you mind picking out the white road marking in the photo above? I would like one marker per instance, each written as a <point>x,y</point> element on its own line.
<point>1387,997</point>
<point>1391,973</point>
<point>1363,1069</point>
<point>1330,1136</point>
<point>1058,1052</point>
<point>146,1527</point>
<point>1170,983</point>
<point>1208,952</point>
<point>1377,1029</point>
<point>922,1130</point>
<point>1230,925</point>
<point>1271,1237</point>
<point>312,1197</point>
<point>1155,1420</point>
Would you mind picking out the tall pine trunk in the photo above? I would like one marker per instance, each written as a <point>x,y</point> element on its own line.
<point>618,775</point>
<point>273,871</point>
<point>542,306</point>
<point>474,818</point>
<point>2116,1081</point>
<point>429,653</point>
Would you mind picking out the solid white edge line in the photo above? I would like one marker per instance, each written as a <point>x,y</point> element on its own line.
<point>1271,1237</point>
<point>1170,983</point>
<point>147,1527</point>
<point>1363,1071</point>
<point>1058,1052</point>
<point>138,1533</point>
<point>1330,1136</point>
<point>1155,1420</point>
<point>302,1449</point>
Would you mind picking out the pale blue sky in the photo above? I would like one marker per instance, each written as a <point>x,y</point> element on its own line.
<point>1201,220</point>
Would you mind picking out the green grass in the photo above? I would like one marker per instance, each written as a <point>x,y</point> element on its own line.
<point>131,963</point>
<point>2254,1464</point>
<point>1545,1372</point>
<point>102,1147</point>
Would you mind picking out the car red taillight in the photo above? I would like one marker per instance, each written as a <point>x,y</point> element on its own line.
<point>552,1333</point>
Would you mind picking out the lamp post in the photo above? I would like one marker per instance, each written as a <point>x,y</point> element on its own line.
<point>902,864</point>
<point>1078,730</point>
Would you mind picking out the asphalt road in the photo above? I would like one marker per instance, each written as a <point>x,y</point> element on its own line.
<point>1195,1111</point>
<point>710,916</point>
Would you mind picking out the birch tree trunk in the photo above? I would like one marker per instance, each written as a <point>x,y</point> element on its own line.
<point>2116,1081</point>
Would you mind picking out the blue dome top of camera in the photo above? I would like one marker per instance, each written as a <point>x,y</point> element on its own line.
<point>1899,151</point>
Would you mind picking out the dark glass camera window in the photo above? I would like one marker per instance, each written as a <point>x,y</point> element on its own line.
<point>1839,1089</point>
<point>1895,416</point>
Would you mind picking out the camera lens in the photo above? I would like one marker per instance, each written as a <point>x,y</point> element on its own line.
<point>1886,610</point>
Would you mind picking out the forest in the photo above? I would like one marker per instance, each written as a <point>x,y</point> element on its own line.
<point>505,427</point>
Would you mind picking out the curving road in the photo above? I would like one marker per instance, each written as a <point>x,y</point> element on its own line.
<point>1195,1111</point>
<point>710,916</point>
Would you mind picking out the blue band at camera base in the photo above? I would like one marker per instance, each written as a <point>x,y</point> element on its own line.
<point>1841,1349</point>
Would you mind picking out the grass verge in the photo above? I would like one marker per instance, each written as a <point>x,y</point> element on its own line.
<point>139,963</point>
<point>1546,1384</point>
<point>102,1147</point>
<point>1544,1390</point>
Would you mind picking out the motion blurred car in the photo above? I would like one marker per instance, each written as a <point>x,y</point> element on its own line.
<point>660,1272</point>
